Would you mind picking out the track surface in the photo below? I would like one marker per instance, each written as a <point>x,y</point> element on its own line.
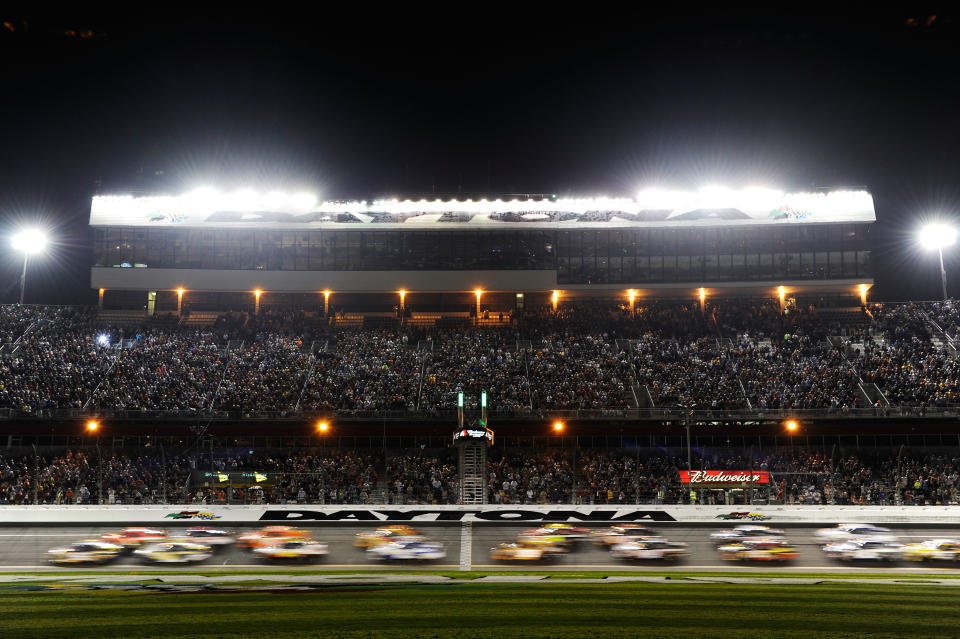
<point>26,547</point>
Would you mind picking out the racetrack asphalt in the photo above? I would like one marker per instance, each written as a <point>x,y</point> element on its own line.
<point>25,548</point>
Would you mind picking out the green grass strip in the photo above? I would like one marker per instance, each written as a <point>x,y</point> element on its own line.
<point>494,611</point>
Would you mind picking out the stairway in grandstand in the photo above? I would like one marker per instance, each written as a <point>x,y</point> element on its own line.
<point>846,319</point>
<point>473,472</point>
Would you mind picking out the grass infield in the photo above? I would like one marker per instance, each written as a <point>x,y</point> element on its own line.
<point>493,610</point>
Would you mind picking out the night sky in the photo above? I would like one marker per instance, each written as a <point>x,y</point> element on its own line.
<point>487,100</point>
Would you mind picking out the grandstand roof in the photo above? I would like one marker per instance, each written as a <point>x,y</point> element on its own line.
<point>714,206</point>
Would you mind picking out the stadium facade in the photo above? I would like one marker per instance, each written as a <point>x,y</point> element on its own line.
<point>220,249</point>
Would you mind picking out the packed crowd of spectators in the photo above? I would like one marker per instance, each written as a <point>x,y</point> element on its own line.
<point>514,476</point>
<point>731,355</point>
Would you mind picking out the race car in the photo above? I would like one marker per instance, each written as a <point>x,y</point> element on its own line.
<point>864,549</point>
<point>571,532</point>
<point>208,536</point>
<point>649,549</point>
<point>544,536</point>
<point>384,534</point>
<point>134,537</point>
<point>759,549</point>
<point>407,550</point>
<point>173,552</point>
<point>619,534</point>
<point>269,536</point>
<point>91,551</point>
<point>525,553</point>
<point>293,550</point>
<point>739,533</point>
<point>933,550</point>
<point>849,531</point>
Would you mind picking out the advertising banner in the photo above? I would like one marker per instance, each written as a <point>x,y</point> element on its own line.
<point>724,477</point>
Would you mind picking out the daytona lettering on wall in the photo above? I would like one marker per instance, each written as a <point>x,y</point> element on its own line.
<point>724,477</point>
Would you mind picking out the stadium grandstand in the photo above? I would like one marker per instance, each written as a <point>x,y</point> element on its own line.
<point>612,343</point>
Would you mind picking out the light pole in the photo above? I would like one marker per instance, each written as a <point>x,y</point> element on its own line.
<point>937,236</point>
<point>28,241</point>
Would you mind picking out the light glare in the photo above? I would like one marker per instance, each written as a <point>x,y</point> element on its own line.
<point>937,236</point>
<point>29,241</point>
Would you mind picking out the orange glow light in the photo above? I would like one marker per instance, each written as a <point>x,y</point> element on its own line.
<point>323,427</point>
<point>792,425</point>
<point>180,291</point>
<point>558,426</point>
<point>92,426</point>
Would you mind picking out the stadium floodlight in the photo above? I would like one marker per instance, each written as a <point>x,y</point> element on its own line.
<point>937,236</point>
<point>29,241</point>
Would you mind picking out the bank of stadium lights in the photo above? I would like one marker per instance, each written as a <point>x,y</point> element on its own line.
<point>938,236</point>
<point>196,204</point>
<point>29,242</point>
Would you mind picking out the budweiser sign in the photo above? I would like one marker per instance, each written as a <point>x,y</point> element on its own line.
<point>724,477</point>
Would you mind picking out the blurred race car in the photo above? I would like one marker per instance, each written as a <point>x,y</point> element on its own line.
<point>91,551</point>
<point>570,532</point>
<point>209,536</point>
<point>864,549</point>
<point>619,534</point>
<point>407,550</point>
<point>133,537</point>
<point>384,534</point>
<point>173,552</point>
<point>293,550</point>
<point>524,553</point>
<point>850,531</point>
<point>545,537</point>
<point>740,533</point>
<point>933,550</point>
<point>759,549</point>
<point>269,536</point>
<point>649,549</point>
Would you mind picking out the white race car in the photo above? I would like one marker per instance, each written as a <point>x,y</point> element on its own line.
<point>92,551</point>
<point>851,531</point>
<point>293,550</point>
<point>173,552</point>
<point>739,533</point>
<point>864,549</point>
<point>402,550</point>
<point>649,549</point>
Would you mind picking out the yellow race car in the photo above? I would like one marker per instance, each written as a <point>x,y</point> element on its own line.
<point>525,553</point>
<point>385,534</point>
<point>90,552</point>
<point>933,550</point>
<point>173,552</point>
